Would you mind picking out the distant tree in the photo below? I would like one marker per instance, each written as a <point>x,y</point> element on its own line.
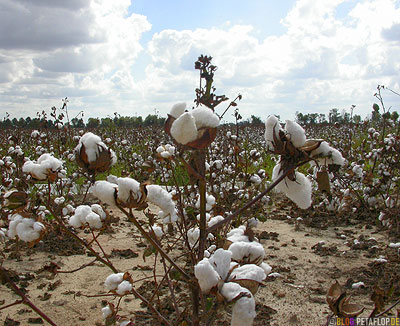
<point>357,118</point>
<point>334,116</point>
<point>93,123</point>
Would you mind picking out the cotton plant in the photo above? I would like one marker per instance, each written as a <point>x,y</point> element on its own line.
<point>295,149</point>
<point>84,215</point>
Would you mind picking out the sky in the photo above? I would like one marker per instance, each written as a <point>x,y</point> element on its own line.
<point>136,57</point>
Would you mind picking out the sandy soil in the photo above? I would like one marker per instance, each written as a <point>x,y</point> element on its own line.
<point>306,266</point>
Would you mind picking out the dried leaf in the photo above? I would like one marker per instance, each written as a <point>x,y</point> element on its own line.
<point>351,310</point>
<point>323,182</point>
<point>205,137</point>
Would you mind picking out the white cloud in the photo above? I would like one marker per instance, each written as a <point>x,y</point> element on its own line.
<point>89,50</point>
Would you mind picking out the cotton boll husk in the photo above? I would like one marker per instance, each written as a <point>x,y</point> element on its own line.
<point>249,251</point>
<point>271,123</point>
<point>184,129</point>
<point>295,133</point>
<point>248,272</point>
<point>205,117</point>
<point>221,260</point>
<point>112,281</point>
<point>177,110</point>
<point>94,220</point>
<point>104,191</point>
<point>206,275</point>
<point>299,191</point>
<point>126,186</point>
<point>124,287</point>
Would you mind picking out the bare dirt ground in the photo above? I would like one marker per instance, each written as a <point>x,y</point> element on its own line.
<point>307,259</point>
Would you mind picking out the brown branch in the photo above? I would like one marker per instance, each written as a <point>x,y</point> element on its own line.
<point>12,304</point>
<point>6,277</point>
<point>77,269</point>
<point>391,307</point>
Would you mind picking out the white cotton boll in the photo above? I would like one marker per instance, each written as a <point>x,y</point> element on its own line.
<point>177,109</point>
<point>106,311</point>
<point>205,118</point>
<point>112,178</point>
<point>272,124</point>
<point>206,275</point>
<point>3,235</point>
<point>157,231</point>
<point>221,260</point>
<point>126,187</point>
<point>210,200</point>
<point>98,210</point>
<point>104,191</point>
<point>244,312</point>
<point>183,129</point>
<point>112,281</point>
<point>255,179</point>
<point>38,227</point>
<point>165,154</point>
<point>214,220</point>
<point>236,235</point>
<point>247,251</point>
<point>12,226</point>
<point>36,169</point>
<point>193,237</point>
<point>253,222</point>
<point>124,287</point>
<point>208,216</point>
<point>125,323</point>
<point>295,133</point>
<point>358,285</point>
<point>160,149</point>
<point>267,269</point>
<point>394,245</point>
<point>91,142</point>
<point>94,220</point>
<point>248,272</point>
<point>326,154</point>
<point>75,221</point>
<point>162,198</point>
<point>25,230</point>
<point>299,191</point>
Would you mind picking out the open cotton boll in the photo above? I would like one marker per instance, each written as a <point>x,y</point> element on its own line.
<point>295,133</point>
<point>94,220</point>
<point>38,227</point>
<point>112,281</point>
<point>49,161</point>
<point>193,237</point>
<point>106,311</point>
<point>299,191</point>
<point>267,269</point>
<point>177,110</point>
<point>25,230</point>
<point>104,191</point>
<point>271,124</point>
<point>214,220</point>
<point>248,272</point>
<point>157,231</point>
<point>91,143</point>
<point>162,198</point>
<point>37,170</point>
<point>98,210</point>
<point>326,154</point>
<point>236,235</point>
<point>184,129</point>
<point>3,233</point>
<point>206,275</point>
<point>243,312</point>
<point>247,251</point>
<point>205,118</point>
<point>124,287</point>
<point>221,260</point>
<point>126,187</point>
